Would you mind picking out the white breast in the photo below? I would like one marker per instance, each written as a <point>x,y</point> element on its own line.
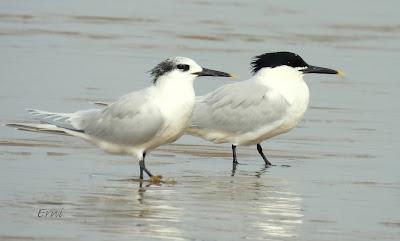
<point>176,101</point>
<point>291,85</point>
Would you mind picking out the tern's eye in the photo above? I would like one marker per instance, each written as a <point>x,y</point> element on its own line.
<point>183,67</point>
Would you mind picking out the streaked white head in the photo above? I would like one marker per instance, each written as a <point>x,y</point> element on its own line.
<point>182,68</point>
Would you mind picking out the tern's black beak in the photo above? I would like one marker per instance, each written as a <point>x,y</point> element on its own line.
<point>210,72</point>
<point>318,70</point>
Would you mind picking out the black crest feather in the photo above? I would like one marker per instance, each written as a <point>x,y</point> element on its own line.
<point>162,68</point>
<point>275,59</point>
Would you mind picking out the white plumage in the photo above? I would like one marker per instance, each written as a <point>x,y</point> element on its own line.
<point>139,121</point>
<point>270,103</point>
<point>250,111</point>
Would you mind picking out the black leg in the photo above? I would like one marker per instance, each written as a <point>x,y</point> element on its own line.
<point>234,165</point>
<point>260,150</point>
<point>235,162</point>
<point>141,170</point>
<point>143,167</point>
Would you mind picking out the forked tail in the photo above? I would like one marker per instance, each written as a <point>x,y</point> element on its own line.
<point>55,123</point>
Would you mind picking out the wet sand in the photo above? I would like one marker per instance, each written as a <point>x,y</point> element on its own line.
<point>336,175</point>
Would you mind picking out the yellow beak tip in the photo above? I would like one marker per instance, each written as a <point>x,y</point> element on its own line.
<point>232,75</point>
<point>341,73</point>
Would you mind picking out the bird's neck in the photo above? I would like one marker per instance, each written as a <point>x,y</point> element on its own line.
<point>174,84</point>
<point>286,81</point>
<point>175,93</point>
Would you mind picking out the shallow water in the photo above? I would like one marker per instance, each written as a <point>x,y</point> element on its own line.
<point>343,181</point>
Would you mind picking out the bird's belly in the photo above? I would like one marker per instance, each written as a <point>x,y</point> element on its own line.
<point>175,130</point>
<point>172,130</point>
<point>295,114</point>
<point>254,136</point>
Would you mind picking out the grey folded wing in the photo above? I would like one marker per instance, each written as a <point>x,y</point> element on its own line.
<point>132,120</point>
<point>239,108</point>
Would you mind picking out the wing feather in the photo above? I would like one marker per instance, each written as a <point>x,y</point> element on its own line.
<point>239,108</point>
<point>132,120</point>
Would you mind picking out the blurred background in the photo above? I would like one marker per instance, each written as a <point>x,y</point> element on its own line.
<point>343,181</point>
